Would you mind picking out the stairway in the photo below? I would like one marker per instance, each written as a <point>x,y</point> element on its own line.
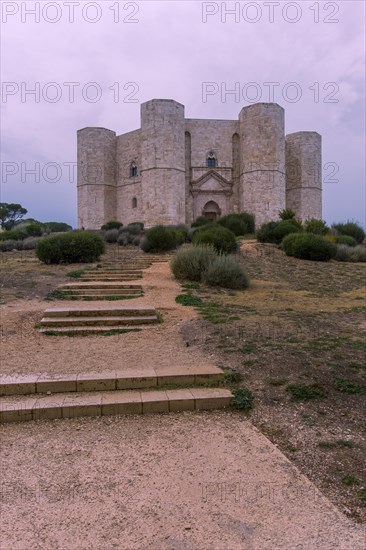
<point>97,320</point>
<point>100,291</point>
<point>143,391</point>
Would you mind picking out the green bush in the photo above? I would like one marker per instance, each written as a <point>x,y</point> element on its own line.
<point>111,235</point>
<point>201,220</point>
<point>191,263</point>
<point>8,245</point>
<point>249,220</point>
<point>243,399</point>
<point>13,235</point>
<point>71,247</point>
<point>345,239</point>
<point>318,227</point>
<point>226,272</point>
<point>347,253</point>
<point>235,223</point>
<point>30,243</point>
<point>219,237</point>
<point>287,214</point>
<point>57,227</point>
<point>34,229</point>
<point>308,246</point>
<point>135,227</point>
<point>274,232</point>
<point>159,239</point>
<point>352,229</point>
<point>113,224</point>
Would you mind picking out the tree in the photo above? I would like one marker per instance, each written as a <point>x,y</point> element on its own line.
<point>10,213</point>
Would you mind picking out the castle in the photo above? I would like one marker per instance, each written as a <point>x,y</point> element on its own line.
<point>173,169</point>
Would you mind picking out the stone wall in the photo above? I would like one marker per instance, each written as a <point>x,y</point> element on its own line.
<point>304,174</point>
<point>262,167</point>
<point>96,184</point>
<point>129,188</point>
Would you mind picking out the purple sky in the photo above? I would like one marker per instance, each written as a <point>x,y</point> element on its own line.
<point>170,52</point>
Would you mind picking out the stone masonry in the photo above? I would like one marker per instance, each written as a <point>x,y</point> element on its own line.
<point>173,169</point>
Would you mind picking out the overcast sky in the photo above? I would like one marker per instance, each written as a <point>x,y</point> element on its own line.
<point>136,51</point>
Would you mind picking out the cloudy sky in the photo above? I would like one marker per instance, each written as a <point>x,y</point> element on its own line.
<point>67,65</point>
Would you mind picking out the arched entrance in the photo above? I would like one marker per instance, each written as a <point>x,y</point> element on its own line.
<point>211,210</point>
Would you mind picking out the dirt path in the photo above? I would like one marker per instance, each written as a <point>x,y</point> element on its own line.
<point>207,481</point>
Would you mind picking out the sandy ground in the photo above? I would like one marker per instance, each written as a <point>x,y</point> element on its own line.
<point>24,350</point>
<point>207,481</point>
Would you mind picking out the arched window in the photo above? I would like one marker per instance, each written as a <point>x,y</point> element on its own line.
<point>133,169</point>
<point>134,202</point>
<point>211,160</point>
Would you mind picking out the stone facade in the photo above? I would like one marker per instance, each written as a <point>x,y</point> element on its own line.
<point>174,169</point>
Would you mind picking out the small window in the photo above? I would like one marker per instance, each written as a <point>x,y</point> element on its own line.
<point>211,160</point>
<point>133,170</point>
<point>134,202</point>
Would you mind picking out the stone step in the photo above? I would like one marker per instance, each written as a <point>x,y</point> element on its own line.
<point>101,291</point>
<point>113,272</point>
<point>119,402</point>
<point>113,297</point>
<point>120,321</point>
<point>106,286</point>
<point>111,278</point>
<point>92,331</point>
<point>110,380</point>
<point>106,311</point>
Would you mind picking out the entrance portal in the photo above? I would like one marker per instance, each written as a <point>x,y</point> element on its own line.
<point>211,210</point>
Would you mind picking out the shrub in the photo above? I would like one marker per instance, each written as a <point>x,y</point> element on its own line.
<point>34,229</point>
<point>180,236</point>
<point>243,399</point>
<point>111,225</point>
<point>8,245</point>
<point>30,243</point>
<point>226,272</point>
<point>287,214</point>
<point>136,240</point>
<point>318,227</point>
<point>274,232</point>
<point>219,237</point>
<point>123,239</point>
<point>249,220</point>
<point>57,227</point>
<point>13,235</point>
<point>345,239</point>
<point>135,227</point>
<point>191,263</point>
<point>347,253</point>
<point>352,229</point>
<point>159,239</point>
<point>201,220</point>
<point>234,223</point>
<point>71,247</point>
<point>308,246</point>
<point>111,235</point>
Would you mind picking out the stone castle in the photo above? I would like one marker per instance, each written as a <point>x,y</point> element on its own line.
<point>174,169</point>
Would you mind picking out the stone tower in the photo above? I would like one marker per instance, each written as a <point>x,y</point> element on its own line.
<point>262,170</point>
<point>163,162</point>
<point>304,174</point>
<point>96,186</point>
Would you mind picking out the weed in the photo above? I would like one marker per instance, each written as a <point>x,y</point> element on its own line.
<point>188,300</point>
<point>278,381</point>
<point>347,386</point>
<point>243,399</point>
<point>306,392</point>
<point>350,480</point>
<point>232,376</point>
<point>362,495</point>
<point>76,274</point>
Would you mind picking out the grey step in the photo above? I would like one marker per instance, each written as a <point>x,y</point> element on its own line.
<point>101,291</point>
<point>144,377</point>
<point>114,311</point>
<point>97,321</point>
<point>66,405</point>
<point>100,286</point>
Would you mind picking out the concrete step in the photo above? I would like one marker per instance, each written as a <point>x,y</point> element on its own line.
<point>104,311</point>
<point>108,273</point>
<point>113,297</point>
<point>92,331</point>
<point>148,377</point>
<point>111,278</point>
<point>101,291</point>
<point>119,402</point>
<point>106,286</point>
<point>121,321</point>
